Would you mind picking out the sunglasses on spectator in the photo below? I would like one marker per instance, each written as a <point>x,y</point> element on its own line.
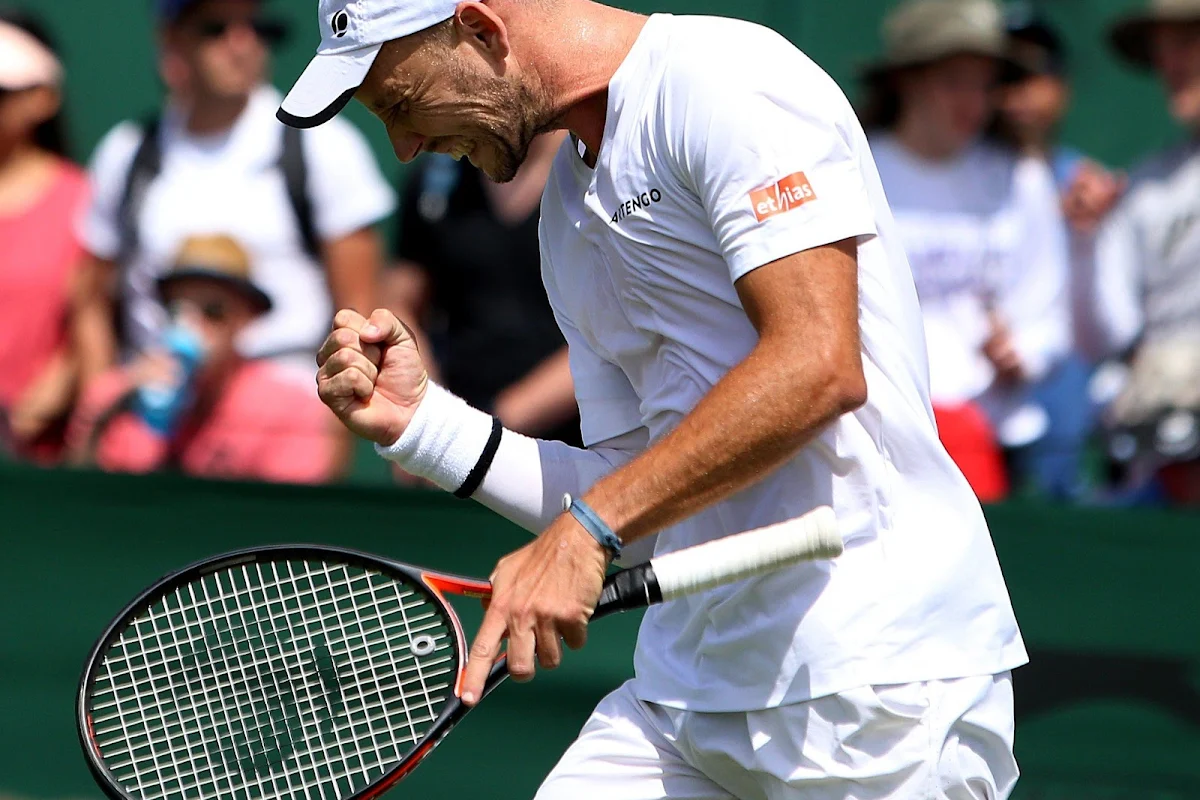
<point>211,310</point>
<point>269,31</point>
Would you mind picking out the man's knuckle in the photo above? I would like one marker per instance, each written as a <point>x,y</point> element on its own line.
<point>520,670</point>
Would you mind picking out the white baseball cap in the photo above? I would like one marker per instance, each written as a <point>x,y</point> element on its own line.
<point>352,34</point>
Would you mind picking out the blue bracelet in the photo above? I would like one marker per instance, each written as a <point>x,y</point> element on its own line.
<point>592,523</point>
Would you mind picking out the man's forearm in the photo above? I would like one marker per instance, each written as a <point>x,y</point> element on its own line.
<point>527,477</point>
<point>752,421</point>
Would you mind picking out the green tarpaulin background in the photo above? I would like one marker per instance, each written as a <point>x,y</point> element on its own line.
<point>1108,600</point>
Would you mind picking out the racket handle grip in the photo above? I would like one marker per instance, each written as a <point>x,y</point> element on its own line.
<point>745,555</point>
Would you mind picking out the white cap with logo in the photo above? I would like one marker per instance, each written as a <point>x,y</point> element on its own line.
<point>352,34</point>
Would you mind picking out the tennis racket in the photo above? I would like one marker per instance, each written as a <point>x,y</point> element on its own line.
<point>324,673</point>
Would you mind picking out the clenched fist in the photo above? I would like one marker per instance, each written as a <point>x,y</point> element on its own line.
<point>371,374</point>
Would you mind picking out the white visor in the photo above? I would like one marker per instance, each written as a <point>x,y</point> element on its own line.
<point>352,34</point>
<point>326,86</point>
<point>24,62</point>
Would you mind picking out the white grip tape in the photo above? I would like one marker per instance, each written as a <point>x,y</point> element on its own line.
<point>744,555</point>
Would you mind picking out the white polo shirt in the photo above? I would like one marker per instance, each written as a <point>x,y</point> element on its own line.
<point>230,184</point>
<point>724,149</point>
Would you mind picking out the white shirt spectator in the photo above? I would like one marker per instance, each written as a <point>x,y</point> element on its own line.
<point>983,232</point>
<point>640,257</point>
<point>1148,255</point>
<point>230,183</point>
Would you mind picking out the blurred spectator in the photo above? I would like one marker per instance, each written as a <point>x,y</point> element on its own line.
<point>41,196</point>
<point>1148,265</point>
<point>217,160</point>
<point>469,277</point>
<point>1033,109</point>
<point>192,402</point>
<point>982,227</point>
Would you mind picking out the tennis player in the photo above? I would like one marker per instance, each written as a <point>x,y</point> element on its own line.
<point>746,345</point>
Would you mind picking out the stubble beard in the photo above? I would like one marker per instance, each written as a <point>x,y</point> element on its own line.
<point>526,115</point>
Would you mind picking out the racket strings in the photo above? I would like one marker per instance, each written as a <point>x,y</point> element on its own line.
<point>275,679</point>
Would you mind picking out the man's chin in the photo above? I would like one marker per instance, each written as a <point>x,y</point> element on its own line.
<point>497,170</point>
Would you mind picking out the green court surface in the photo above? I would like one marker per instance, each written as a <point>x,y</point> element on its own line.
<point>1109,708</point>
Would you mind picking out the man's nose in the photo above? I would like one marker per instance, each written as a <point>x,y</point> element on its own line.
<point>407,145</point>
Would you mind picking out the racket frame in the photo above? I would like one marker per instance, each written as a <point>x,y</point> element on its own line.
<point>435,585</point>
<point>739,556</point>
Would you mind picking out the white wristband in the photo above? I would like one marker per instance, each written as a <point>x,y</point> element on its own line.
<point>443,441</point>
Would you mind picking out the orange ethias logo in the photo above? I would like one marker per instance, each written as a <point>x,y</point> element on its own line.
<point>791,192</point>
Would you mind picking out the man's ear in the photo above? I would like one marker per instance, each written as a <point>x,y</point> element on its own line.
<point>478,24</point>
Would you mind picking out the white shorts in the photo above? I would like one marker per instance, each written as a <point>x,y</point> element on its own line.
<point>937,740</point>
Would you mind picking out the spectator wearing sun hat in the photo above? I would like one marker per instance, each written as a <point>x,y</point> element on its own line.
<point>215,158</point>
<point>1148,262</point>
<point>1032,111</point>
<point>981,225</point>
<point>192,402</point>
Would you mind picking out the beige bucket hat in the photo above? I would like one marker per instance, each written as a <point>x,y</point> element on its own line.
<point>216,258</point>
<point>1130,36</point>
<point>923,31</point>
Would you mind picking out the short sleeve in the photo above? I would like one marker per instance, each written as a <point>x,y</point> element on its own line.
<point>348,190</point>
<point>98,227</point>
<point>775,162</point>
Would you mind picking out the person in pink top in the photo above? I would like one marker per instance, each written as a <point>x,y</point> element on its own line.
<point>41,194</point>
<point>194,404</point>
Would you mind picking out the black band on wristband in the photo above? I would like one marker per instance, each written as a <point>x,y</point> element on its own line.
<point>479,471</point>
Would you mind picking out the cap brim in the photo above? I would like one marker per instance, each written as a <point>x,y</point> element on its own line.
<point>260,299</point>
<point>1012,68</point>
<point>1130,37</point>
<point>326,86</point>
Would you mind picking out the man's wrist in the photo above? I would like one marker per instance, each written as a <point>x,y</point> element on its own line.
<point>596,527</point>
<point>443,441</point>
<point>396,432</point>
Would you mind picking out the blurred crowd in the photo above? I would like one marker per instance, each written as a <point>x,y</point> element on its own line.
<point>161,309</point>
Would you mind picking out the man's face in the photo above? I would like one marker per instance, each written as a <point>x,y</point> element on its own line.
<point>1175,48</point>
<point>222,46</point>
<point>1035,106</point>
<point>213,310</point>
<point>435,95</point>
<point>953,99</point>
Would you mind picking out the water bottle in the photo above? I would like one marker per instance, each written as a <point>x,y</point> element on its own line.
<point>161,405</point>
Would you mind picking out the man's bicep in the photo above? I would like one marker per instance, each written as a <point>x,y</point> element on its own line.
<point>809,299</point>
